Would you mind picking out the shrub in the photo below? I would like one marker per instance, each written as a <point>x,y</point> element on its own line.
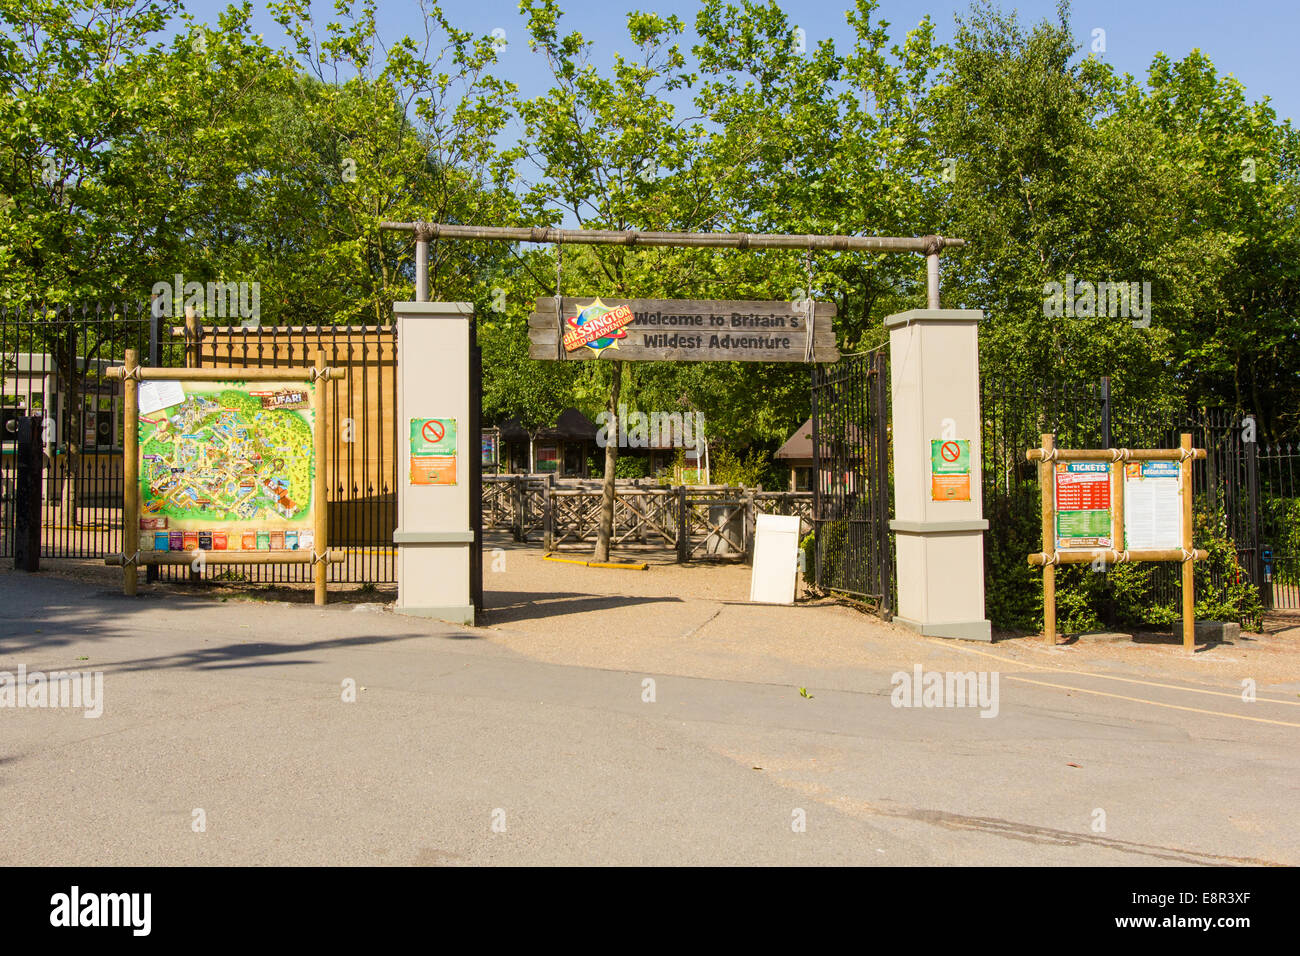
<point>727,468</point>
<point>808,549</point>
<point>631,466</point>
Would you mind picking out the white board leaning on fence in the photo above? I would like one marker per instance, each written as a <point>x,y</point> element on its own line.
<point>776,559</point>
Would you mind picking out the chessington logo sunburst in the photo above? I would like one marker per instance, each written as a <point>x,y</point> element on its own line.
<point>597,327</point>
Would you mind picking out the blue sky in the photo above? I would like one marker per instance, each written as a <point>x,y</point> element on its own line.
<point>1252,39</point>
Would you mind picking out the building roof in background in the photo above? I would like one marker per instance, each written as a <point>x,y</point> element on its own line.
<point>571,425</point>
<point>798,445</point>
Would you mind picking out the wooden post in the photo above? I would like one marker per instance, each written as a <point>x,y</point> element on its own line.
<point>683,531</point>
<point>750,525</point>
<point>320,545</point>
<point>548,525</point>
<point>192,336</point>
<point>1189,595</point>
<point>192,362</point>
<point>1047,479</point>
<point>931,280</point>
<point>518,493</point>
<point>130,473</point>
<point>421,267</point>
<point>1117,476</point>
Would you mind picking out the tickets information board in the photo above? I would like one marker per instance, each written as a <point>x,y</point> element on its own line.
<point>1083,505</point>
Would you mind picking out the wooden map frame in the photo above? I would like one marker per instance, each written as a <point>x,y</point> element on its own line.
<point>1048,455</point>
<point>132,373</point>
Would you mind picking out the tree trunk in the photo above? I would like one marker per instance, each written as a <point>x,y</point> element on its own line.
<point>605,532</point>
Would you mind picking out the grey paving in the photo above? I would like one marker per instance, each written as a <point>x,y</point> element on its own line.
<point>236,708</point>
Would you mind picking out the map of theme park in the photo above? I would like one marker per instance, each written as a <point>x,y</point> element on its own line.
<point>222,455</point>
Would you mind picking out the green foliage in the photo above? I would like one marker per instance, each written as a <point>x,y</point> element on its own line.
<point>1013,590</point>
<point>1133,599</point>
<point>515,386</point>
<point>218,157</point>
<point>631,466</point>
<point>1079,594</point>
<point>726,467</point>
<point>1223,588</point>
<point>1281,519</point>
<point>808,548</point>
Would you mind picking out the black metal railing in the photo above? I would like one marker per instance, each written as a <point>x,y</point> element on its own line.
<point>53,361</point>
<point>1279,526</point>
<point>853,550</point>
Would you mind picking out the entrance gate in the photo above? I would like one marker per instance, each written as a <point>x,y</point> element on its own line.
<point>850,402</point>
<point>854,552</point>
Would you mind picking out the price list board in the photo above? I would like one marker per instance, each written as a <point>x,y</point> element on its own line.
<point>1084,519</point>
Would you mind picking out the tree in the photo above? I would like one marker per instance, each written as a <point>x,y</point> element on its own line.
<point>73,89</point>
<point>1035,194</point>
<point>402,133</point>
<point>599,148</point>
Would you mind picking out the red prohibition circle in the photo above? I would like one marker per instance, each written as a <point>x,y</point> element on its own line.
<point>433,431</point>
<point>950,451</point>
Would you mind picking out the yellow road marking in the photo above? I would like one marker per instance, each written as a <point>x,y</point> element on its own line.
<point>598,564</point>
<point>1126,680</point>
<point>1154,703</point>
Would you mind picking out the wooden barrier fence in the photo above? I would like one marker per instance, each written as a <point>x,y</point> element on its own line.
<point>702,521</point>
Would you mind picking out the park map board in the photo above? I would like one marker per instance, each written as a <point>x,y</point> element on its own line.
<point>226,466</point>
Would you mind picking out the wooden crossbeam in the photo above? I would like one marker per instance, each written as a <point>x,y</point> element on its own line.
<point>646,519</point>
<point>693,516</point>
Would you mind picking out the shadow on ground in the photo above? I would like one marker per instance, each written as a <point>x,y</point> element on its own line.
<point>506,606</point>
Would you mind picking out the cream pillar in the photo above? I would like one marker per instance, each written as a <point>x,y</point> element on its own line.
<point>434,538</point>
<point>934,374</point>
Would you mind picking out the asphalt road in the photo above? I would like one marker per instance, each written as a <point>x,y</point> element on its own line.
<point>460,748</point>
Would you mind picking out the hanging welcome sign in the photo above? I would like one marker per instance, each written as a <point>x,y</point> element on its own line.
<point>657,330</point>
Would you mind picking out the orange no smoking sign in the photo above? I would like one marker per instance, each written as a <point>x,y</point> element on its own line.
<point>433,451</point>
<point>950,469</point>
